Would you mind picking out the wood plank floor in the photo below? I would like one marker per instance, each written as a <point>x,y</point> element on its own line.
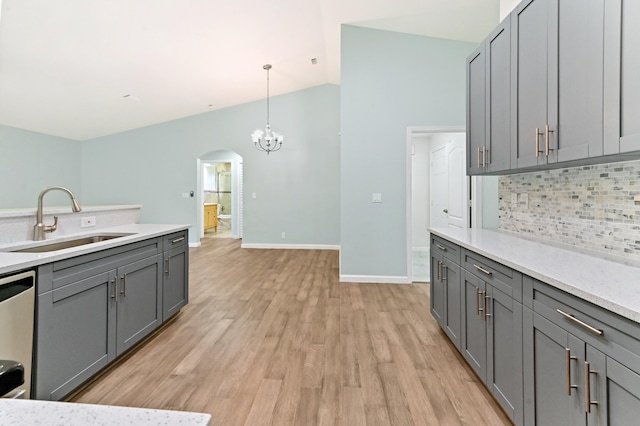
<point>270,337</point>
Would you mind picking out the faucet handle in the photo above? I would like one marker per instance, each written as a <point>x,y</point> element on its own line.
<point>53,227</point>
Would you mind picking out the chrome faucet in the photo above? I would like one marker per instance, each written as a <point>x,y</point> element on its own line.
<point>40,228</point>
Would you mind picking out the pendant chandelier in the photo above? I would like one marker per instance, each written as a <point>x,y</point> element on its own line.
<point>267,140</point>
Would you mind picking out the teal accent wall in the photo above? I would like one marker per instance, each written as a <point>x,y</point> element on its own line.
<point>297,188</point>
<point>389,81</point>
<point>30,162</point>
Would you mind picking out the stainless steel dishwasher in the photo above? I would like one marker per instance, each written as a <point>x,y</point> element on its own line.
<point>17,296</point>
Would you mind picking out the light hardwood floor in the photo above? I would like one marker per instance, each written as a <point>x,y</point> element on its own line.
<point>272,337</point>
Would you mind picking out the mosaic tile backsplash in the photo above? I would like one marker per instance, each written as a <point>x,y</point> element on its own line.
<point>589,207</point>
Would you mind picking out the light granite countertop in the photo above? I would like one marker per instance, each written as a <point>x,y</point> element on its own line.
<point>32,412</point>
<point>10,262</point>
<point>611,285</point>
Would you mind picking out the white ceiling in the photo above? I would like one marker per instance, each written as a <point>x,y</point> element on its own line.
<point>65,66</point>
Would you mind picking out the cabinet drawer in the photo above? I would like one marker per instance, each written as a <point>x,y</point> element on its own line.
<point>608,332</point>
<point>446,248</point>
<point>177,239</point>
<point>501,277</point>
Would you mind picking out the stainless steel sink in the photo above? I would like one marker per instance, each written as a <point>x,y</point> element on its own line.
<point>61,245</point>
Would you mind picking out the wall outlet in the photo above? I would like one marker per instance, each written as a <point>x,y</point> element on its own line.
<point>376,197</point>
<point>524,200</point>
<point>514,199</point>
<point>254,195</point>
<point>283,235</point>
<point>86,222</point>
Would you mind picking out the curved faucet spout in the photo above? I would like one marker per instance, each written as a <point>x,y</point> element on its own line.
<point>40,228</point>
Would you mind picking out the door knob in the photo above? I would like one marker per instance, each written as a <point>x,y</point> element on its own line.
<point>446,211</point>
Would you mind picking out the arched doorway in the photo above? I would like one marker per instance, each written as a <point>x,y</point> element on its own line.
<point>219,175</point>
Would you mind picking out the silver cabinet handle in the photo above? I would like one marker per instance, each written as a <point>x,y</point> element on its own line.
<point>547,130</point>
<point>124,285</point>
<point>538,133</point>
<point>441,247</point>
<point>481,269</point>
<point>445,272</point>
<point>478,157</point>
<point>484,312</point>
<point>439,270</point>
<point>485,151</point>
<point>177,240</point>
<point>568,359</point>
<point>479,308</point>
<point>587,388</point>
<point>168,261</point>
<point>115,289</point>
<point>580,323</point>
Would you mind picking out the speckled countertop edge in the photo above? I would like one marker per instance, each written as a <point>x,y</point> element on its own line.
<point>605,283</point>
<point>33,412</point>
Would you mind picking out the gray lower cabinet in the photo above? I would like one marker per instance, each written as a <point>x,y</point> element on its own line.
<point>582,364</point>
<point>94,307</point>
<point>492,341</point>
<point>445,288</point>
<point>175,287</point>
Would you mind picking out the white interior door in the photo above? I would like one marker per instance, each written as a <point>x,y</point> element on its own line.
<point>457,210</point>
<point>449,183</point>
<point>438,187</point>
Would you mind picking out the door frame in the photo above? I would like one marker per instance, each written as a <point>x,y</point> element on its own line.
<point>476,201</point>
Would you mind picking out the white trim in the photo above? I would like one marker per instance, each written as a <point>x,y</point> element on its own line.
<point>290,246</point>
<point>476,198</point>
<point>414,130</point>
<point>374,279</point>
<point>193,245</point>
<point>420,249</point>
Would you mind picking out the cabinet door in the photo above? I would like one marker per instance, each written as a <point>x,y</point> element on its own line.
<point>504,352</point>
<point>529,74</point>
<point>437,289</point>
<point>474,333</point>
<point>139,301</point>
<point>576,79</point>
<point>175,287</point>
<point>76,334</point>
<point>476,119</point>
<point>552,367</point>
<point>622,403</point>
<point>622,76</point>
<point>452,314</point>
<point>498,98</point>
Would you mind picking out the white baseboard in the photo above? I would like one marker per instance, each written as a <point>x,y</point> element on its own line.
<point>198,244</point>
<point>291,246</point>
<point>374,279</point>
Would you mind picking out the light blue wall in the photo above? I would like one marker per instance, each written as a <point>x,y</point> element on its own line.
<point>30,162</point>
<point>297,188</point>
<point>389,81</point>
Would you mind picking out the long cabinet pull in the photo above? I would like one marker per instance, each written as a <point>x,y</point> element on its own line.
<point>445,273</point>
<point>587,387</point>
<point>481,269</point>
<point>177,240</point>
<point>580,323</point>
<point>537,142</point>
<point>547,130</point>
<point>485,151</point>
<point>478,157</point>
<point>124,285</point>
<point>441,247</point>
<point>485,313</point>
<point>168,263</point>
<point>480,307</point>
<point>114,296</point>
<point>568,359</point>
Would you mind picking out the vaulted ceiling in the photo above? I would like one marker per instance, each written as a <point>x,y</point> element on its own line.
<point>81,69</point>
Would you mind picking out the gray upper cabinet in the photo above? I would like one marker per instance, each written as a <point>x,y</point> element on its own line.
<point>489,104</point>
<point>557,66</point>
<point>622,77</point>
<point>476,118</point>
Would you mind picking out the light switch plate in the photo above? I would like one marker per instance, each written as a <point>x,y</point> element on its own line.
<point>376,197</point>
